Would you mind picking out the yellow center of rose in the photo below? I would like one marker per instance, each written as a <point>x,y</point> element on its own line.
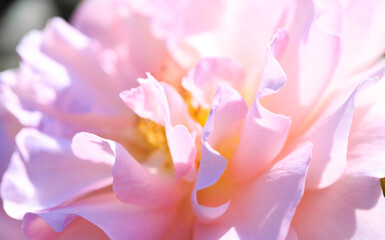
<point>196,111</point>
<point>158,157</point>
<point>154,134</point>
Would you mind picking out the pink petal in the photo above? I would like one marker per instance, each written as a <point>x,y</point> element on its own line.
<point>27,184</point>
<point>129,46</point>
<point>228,112</point>
<point>176,18</point>
<point>203,79</point>
<point>149,101</point>
<point>263,133</point>
<point>329,134</point>
<point>124,221</point>
<point>90,147</point>
<point>137,185</point>
<point>76,63</point>
<point>366,141</point>
<point>351,208</point>
<point>362,34</point>
<point>263,208</point>
<point>318,51</point>
<point>75,230</point>
<point>210,170</point>
<point>9,228</point>
<point>183,222</point>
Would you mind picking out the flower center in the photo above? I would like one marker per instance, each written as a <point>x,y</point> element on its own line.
<point>199,113</point>
<point>158,157</point>
<point>154,134</point>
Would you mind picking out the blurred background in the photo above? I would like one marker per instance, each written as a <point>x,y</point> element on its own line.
<point>17,17</point>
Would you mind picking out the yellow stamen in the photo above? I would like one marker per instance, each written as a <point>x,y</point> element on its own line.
<point>154,134</point>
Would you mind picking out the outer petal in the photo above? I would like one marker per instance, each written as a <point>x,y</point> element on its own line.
<point>366,139</point>
<point>134,184</point>
<point>309,60</point>
<point>263,133</point>
<point>9,228</point>
<point>263,208</point>
<point>129,46</point>
<point>333,213</point>
<point>124,221</point>
<point>363,35</point>
<point>329,134</point>
<point>27,184</point>
<point>356,196</point>
<point>176,18</point>
<point>76,230</point>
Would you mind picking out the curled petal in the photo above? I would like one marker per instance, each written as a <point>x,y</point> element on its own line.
<point>27,184</point>
<point>263,133</point>
<point>150,101</point>
<point>134,184</point>
<point>264,207</point>
<point>124,221</point>
<point>210,170</point>
<point>309,50</point>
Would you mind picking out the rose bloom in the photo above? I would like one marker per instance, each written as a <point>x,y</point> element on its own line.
<point>197,120</point>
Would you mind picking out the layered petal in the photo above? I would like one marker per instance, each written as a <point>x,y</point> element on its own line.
<point>150,101</point>
<point>263,132</point>
<point>125,221</point>
<point>27,184</point>
<point>135,184</point>
<point>309,61</point>
<point>225,101</point>
<point>351,208</point>
<point>329,134</point>
<point>263,208</point>
<point>130,48</point>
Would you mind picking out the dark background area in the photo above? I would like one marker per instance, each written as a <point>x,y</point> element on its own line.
<point>18,17</point>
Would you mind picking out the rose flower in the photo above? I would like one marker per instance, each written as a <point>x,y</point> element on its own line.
<point>198,120</point>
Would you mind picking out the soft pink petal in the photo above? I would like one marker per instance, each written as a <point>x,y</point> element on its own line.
<point>129,46</point>
<point>149,101</point>
<point>75,230</point>
<point>203,79</point>
<point>90,147</point>
<point>180,112</point>
<point>178,18</point>
<point>134,184</point>
<point>183,222</point>
<point>309,60</point>
<point>27,184</point>
<point>263,208</point>
<point>329,134</point>
<point>366,139</point>
<point>263,133</point>
<point>362,34</point>
<point>9,228</point>
<point>211,169</point>
<point>228,112</point>
<point>345,210</point>
<point>291,235</point>
<point>118,220</point>
<point>212,164</point>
